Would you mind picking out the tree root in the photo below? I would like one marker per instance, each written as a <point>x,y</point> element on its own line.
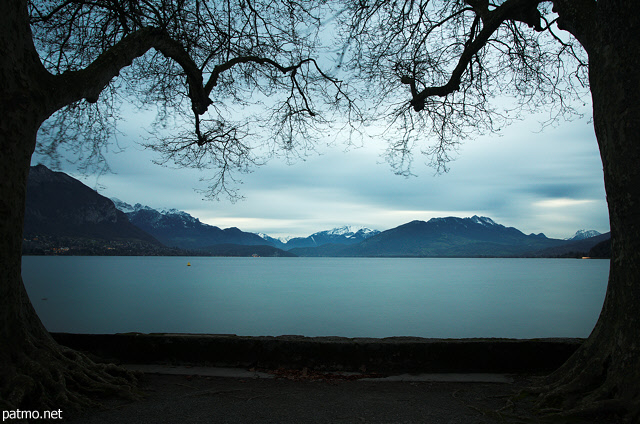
<point>603,407</point>
<point>586,393</point>
<point>56,377</point>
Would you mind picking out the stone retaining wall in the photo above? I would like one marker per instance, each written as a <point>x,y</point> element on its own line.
<point>387,355</point>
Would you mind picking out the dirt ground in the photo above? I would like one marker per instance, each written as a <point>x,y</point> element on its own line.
<point>305,398</point>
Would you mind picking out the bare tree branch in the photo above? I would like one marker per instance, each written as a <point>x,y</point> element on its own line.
<point>454,58</point>
<point>508,11</point>
<point>257,56</point>
<point>88,83</point>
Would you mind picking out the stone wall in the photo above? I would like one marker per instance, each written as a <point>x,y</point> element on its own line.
<point>387,355</point>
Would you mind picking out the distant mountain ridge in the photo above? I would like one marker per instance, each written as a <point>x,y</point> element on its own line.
<point>59,205</point>
<point>179,229</point>
<point>344,235</point>
<point>583,234</point>
<point>575,247</point>
<point>65,217</point>
<point>62,210</point>
<point>444,237</point>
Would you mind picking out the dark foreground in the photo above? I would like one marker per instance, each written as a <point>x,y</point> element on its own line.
<point>301,399</point>
<point>222,379</point>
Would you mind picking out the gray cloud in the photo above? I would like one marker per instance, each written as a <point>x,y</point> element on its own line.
<point>538,182</point>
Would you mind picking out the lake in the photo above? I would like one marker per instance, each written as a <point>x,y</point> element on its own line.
<point>350,297</point>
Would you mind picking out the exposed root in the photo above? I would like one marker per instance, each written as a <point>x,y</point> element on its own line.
<point>56,377</point>
<point>586,393</point>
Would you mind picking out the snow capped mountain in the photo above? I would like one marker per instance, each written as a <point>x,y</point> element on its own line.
<point>122,206</point>
<point>176,228</point>
<point>347,231</point>
<point>441,237</point>
<point>157,217</point>
<point>347,234</point>
<point>583,234</point>
<point>278,239</point>
<point>127,208</point>
<point>338,231</point>
<point>173,211</point>
<point>483,220</point>
<point>475,219</point>
<point>447,236</point>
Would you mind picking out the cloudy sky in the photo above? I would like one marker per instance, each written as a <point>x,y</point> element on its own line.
<point>548,182</point>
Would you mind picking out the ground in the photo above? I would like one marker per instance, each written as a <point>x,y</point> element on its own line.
<point>303,397</point>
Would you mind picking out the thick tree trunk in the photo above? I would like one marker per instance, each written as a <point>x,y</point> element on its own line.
<point>18,320</point>
<point>35,372</point>
<point>605,372</point>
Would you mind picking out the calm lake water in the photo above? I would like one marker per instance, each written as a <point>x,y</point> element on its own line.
<point>443,298</point>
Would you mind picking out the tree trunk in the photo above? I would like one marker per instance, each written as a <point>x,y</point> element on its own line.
<point>35,372</point>
<point>605,372</point>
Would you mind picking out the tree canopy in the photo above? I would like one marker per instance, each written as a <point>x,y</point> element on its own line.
<point>468,67</point>
<point>226,78</point>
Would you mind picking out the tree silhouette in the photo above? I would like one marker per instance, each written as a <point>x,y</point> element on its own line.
<point>457,63</point>
<point>73,62</point>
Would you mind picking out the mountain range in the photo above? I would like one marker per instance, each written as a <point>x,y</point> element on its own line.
<point>60,206</point>
<point>62,212</point>
<point>345,235</point>
<point>176,228</point>
<point>64,216</point>
<point>445,237</point>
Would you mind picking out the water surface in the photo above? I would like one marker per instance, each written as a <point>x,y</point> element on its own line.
<point>351,297</point>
